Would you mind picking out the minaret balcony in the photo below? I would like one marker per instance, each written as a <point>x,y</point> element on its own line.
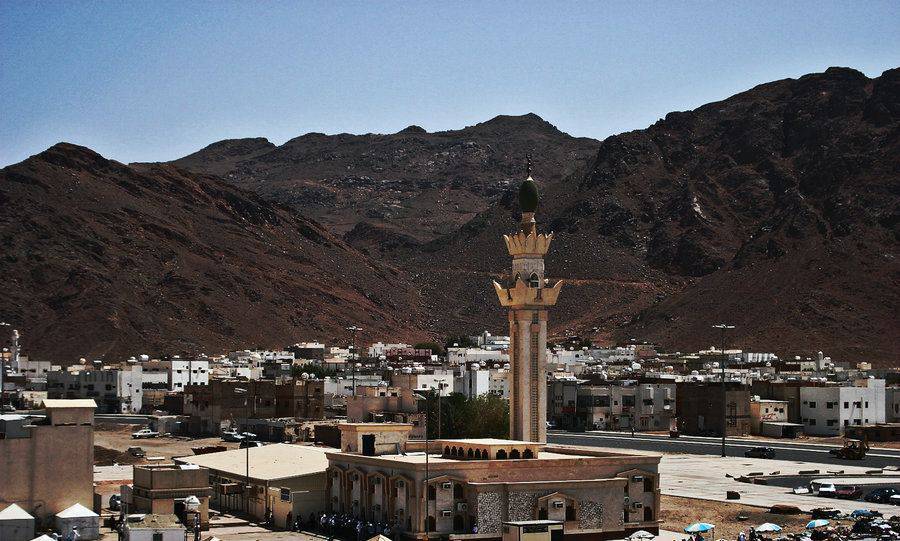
<point>522,295</point>
<point>532,243</point>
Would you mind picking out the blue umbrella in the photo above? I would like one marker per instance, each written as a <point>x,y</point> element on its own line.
<point>699,527</point>
<point>768,527</point>
<point>818,523</point>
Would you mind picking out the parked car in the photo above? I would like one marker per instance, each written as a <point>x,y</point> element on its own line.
<point>137,452</point>
<point>115,502</point>
<point>232,436</point>
<point>251,443</point>
<point>881,495</point>
<point>894,500</point>
<point>826,490</point>
<point>849,492</point>
<point>7,408</point>
<point>249,435</point>
<point>760,452</point>
<point>144,433</point>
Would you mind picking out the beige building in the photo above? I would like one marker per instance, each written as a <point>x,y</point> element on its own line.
<point>481,483</point>
<point>47,465</point>
<point>528,298</point>
<point>161,489</point>
<point>280,480</point>
<point>386,404</point>
<point>766,411</point>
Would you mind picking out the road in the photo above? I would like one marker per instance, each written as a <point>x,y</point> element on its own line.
<point>794,451</point>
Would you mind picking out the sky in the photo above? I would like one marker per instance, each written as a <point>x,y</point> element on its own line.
<point>153,81</point>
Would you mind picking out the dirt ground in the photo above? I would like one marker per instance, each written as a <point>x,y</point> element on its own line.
<point>112,441</point>
<point>679,512</point>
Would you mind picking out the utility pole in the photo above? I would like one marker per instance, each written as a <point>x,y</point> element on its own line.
<point>724,327</point>
<point>353,330</point>
<point>425,491</point>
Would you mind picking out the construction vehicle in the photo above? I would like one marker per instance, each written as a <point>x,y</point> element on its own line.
<point>852,449</point>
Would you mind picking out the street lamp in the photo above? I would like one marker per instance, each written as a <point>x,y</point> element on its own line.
<point>241,390</point>
<point>724,327</point>
<point>353,330</point>
<point>425,491</point>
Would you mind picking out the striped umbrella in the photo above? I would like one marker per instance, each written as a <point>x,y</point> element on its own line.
<point>768,527</point>
<point>699,527</point>
<point>818,523</point>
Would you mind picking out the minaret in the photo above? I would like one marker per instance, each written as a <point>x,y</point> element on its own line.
<point>528,301</point>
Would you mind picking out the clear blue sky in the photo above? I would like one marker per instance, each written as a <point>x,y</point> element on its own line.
<point>144,81</point>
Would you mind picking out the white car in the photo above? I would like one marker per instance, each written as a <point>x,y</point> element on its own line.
<point>144,433</point>
<point>826,490</point>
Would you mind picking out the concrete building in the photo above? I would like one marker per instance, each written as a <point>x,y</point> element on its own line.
<point>700,410</point>
<point>162,489</point>
<point>115,390</point>
<point>481,483</point>
<point>439,381</point>
<point>458,356</point>
<point>273,473</point>
<point>826,411</point>
<point>224,403</point>
<point>16,524</point>
<point>47,465</point>
<point>766,411</point>
<point>528,299</point>
<point>575,404</point>
<point>892,404</point>
<point>78,517</point>
<point>383,404</point>
<point>153,528</point>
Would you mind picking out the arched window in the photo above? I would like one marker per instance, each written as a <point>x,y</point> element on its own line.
<point>501,454</point>
<point>534,281</point>
<point>471,453</point>
<point>457,491</point>
<point>478,454</point>
<point>527,454</point>
<point>514,454</point>
<point>447,450</point>
<point>485,455</point>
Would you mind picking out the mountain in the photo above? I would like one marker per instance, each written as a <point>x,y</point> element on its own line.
<point>775,210</point>
<point>100,258</point>
<point>412,184</point>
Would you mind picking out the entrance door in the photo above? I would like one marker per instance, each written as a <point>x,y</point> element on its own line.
<point>368,445</point>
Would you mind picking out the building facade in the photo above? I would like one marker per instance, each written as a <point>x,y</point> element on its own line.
<point>115,390</point>
<point>827,411</point>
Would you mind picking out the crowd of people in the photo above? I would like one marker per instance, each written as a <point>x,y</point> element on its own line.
<point>343,526</point>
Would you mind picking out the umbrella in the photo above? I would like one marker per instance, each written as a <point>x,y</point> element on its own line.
<point>642,534</point>
<point>818,523</point>
<point>699,527</point>
<point>768,527</point>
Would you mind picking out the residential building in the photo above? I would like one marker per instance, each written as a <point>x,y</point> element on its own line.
<point>153,527</point>
<point>384,404</point>
<point>115,390</point>
<point>764,411</point>
<point>826,411</point>
<point>892,404</point>
<point>700,409</point>
<point>439,381</point>
<point>47,465</point>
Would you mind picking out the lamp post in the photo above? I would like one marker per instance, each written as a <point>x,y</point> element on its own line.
<point>246,491</point>
<point>353,330</point>
<point>425,491</point>
<point>724,327</point>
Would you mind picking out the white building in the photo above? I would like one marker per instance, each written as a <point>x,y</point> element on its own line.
<point>174,374</point>
<point>463,356</point>
<point>472,383</point>
<point>825,411</point>
<point>115,390</point>
<point>488,341</point>
<point>892,404</point>
<point>153,528</point>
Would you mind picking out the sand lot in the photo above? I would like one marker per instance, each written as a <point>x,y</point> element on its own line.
<point>111,442</point>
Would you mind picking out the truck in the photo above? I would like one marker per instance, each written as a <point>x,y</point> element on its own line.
<point>852,449</point>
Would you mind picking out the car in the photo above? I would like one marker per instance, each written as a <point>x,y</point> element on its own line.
<point>232,436</point>
<point>144,433</point>
<point>137,452</point>
<point>115,502</point>
<point>849,492</point>
<point>249,435</point>
<point>894,500</point>
<point>7,408</point>
<point>250,443</point>
<point>760,452</point>
<point>825,490</point>
<point>881,495</point>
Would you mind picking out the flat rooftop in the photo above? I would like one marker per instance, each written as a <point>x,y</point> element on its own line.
<point>490,441</point>
<point>267,463</point>
<point>419,458</point>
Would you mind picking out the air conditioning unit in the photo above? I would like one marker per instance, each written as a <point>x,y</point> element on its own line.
<point>446,513</point>
<point>462,506</point>
<point>627,501</point>
<point>638,478</point>
<point>637,505</point>
<point>401,484</point>
<point>446,486</point>
<point>559,505</point>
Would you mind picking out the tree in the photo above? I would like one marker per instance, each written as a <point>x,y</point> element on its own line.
<point>484,416</point>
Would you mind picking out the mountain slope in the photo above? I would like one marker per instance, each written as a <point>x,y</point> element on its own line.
<point>775,210</point>
<point>105,259</point>
<point>412,184</point>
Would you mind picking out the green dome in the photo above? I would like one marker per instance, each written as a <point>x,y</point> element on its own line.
<point>528,196</point>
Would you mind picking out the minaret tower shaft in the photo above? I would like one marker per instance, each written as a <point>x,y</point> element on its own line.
<point>528,299</point>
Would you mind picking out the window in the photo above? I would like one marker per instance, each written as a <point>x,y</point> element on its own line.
<point>812,422</point>
<point>812,404</point>
<point>157,536</point>
<point>867,403</point>
<point>846,405</point>
<point>856,421</point>
<point>648,484</point>
<point>829,405</point>
<point>432,493</point>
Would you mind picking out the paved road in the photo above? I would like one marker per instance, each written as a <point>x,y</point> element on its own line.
<point>805,452</point>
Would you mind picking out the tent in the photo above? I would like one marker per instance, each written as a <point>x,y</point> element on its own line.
<point>16,524</point>
<point>78,516</point>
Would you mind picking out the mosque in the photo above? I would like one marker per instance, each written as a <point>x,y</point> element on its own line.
<point>475,488</point>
